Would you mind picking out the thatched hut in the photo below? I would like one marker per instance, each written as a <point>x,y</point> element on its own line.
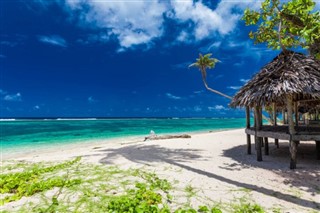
<point>291,81</point>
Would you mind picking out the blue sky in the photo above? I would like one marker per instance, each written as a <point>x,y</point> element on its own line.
<point>82,58</point>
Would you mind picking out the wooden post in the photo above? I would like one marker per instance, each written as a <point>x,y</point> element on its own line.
<point>283,116</point>
<point>261,124</point>
<point>274,111</point>
<point>318,149</point>
<point>292,144</point>
<point>260,118</point>
<point>258,127</point>
<point>248,126</point>
<point>274,107</point>
<point>296,113</point>
<point>266,146</point>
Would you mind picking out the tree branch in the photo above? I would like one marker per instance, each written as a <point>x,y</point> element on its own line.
<point>279,35</point>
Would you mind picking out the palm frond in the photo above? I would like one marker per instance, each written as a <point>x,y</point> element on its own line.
<point>193,65</point>
<point>203,62</point>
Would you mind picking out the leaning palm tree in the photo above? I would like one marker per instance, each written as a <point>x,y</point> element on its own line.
<point>204,62</point>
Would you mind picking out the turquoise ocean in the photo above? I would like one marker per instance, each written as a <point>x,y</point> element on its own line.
<point>38,134</point>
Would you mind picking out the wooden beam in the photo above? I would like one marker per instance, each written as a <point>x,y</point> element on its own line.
<point>283,116</point>
<point>284,136</point>
<point>292,144</point>
<point>261,133</point>
<point>258,140</point>
<point>248,126</point>
<point>306,137</point>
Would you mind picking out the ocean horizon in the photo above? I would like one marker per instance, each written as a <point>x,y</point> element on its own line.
<point>30,134</point>
<point>105,118</point>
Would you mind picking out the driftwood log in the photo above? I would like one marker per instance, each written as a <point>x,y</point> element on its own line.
<point>162,137</point>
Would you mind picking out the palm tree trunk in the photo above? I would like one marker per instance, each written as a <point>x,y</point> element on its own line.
<point>224,95</point>
<point>214,91</point>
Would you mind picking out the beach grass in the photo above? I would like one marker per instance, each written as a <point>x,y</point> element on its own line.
<point>75,186</point>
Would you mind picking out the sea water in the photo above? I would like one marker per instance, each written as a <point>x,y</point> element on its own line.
<point>26,135</point>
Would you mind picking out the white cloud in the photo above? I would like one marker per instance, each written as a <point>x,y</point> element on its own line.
<point>2,92</point>
<point>8,43</point>
<point>132,22</point>
<point>14,97</point>
<point>102,37</point>
<point>36,107</point>
<point>141,22</point>
<point>239,64</point>
<point>183,65</point>
<point>222,20</point>
<point>214,45</point>
<point>169,95</point>
<point>199,14</point>
<point>234,87</point>
<point>236,44</point>
<point>53,40</point>
<point>218,77</point>
<point>217,108</point>
<point>91,100</point>
<point>198,92</point>
<point>197,108</point>
<point>183,37</point>
<point>244,80</point>
<point>242,49</point>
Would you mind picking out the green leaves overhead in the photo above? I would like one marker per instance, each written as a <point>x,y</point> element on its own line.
<point>286,25</point>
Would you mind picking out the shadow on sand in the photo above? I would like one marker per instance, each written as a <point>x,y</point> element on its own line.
<point>306,176</point>
<point>145,154</point>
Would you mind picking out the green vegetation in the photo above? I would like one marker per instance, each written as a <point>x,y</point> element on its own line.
<point>73,186</point>
<point>28,182</point>
<point>247,208</point>
<point>286,25</point>
<point>191,191</point>
<point>204,62</point>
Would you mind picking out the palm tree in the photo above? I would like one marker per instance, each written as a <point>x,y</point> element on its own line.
<point>204,62</point>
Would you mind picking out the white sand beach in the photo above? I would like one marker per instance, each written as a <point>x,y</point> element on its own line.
<point>216,164</point>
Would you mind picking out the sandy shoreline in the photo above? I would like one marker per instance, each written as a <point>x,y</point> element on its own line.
<point>215,163</point>
<point>68,148</point>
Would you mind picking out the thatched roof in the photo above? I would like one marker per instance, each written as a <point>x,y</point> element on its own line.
<point>288,73</point>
